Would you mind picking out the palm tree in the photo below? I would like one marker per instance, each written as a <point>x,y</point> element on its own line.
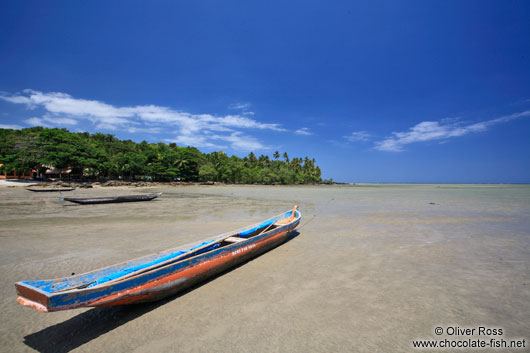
<point>286,157</point>
<point>276,155</point>
<point>252,158</point>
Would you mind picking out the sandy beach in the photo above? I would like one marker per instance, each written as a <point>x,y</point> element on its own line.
<point>373,268</point>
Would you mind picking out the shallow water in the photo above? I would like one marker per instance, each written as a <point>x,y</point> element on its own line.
<point>373,267</point>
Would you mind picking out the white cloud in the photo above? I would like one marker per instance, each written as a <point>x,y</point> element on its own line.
<point>9,126</point>
<point>195,141</point>
<point>303,131</point>
<point>236,140</point>
<point>62,103</point>
<point>239,141</point>
<point>439,130</point>
<point>16,99</point>
<point>149,130</point>
<point>243,107</point>
<point>108,127</point>
<point>193,129</point>
<point>36,122</point>
<point>243,122</point>
<point>50,121</point>
<point>358,136</point>
<point>60,120</point>
<point>239,106</point>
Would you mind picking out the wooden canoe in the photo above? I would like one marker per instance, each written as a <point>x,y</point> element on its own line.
<point>159,275</point>
<point>50,189</point>
<point>111,199</point>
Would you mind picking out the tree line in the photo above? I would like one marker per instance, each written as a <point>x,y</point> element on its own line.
<point>103,156</point>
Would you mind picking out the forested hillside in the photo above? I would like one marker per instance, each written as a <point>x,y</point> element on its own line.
<point>102,156</point>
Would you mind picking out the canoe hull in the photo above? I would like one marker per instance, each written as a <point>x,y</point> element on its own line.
<point>162,282</point>
<point>117,199</point>
<point>183,280</point>
<point>49,189</point>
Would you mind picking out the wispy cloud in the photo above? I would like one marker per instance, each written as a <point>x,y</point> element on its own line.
<point>439,130</point>
<point>239,106</point>
<point>51,121</point>
<point>36,122</point>
<point>201,130</point>
<point>236,140</point>
<point>357,136</point>
<point>15,99</point>
<point>303,131</point>
<point>149,130</point>
<point>60,120</point>
<point>195,141</point>
<point>240,141</point>
<point>10,126</point>
<point>242,107</point>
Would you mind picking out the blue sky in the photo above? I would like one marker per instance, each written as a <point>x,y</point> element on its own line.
<point>376,91</point>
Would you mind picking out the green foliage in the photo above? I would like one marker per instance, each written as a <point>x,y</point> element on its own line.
<point>102,156</point>
<point>207,172</point>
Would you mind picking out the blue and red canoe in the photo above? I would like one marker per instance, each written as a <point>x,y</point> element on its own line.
<point>159,275</point>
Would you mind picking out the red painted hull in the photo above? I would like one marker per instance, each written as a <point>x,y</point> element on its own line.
<point>163,281</point>
<point>187,278</point>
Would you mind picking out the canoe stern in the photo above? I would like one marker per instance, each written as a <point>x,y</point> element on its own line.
<point>32,297</point>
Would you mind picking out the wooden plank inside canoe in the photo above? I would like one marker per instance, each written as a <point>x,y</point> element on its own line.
<point>234,239</point>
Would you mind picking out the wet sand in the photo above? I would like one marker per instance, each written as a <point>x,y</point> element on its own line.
<point>372,268</point>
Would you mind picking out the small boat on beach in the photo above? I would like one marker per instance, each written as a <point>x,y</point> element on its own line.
<point>111,199</point>
<point>50,189</point>
<point>159,275</point>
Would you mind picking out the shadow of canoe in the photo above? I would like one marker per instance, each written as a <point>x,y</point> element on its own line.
<point>83,328</point>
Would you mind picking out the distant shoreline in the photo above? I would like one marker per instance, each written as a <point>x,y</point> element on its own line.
<point>114,183</point>
<point>136,184</point>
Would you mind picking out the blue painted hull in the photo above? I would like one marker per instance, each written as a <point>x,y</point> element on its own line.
<point>160,275</point>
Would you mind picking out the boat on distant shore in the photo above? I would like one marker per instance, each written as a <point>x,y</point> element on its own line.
<point>111,199</point>
<point>159,275</point>
<point>50,189</point>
